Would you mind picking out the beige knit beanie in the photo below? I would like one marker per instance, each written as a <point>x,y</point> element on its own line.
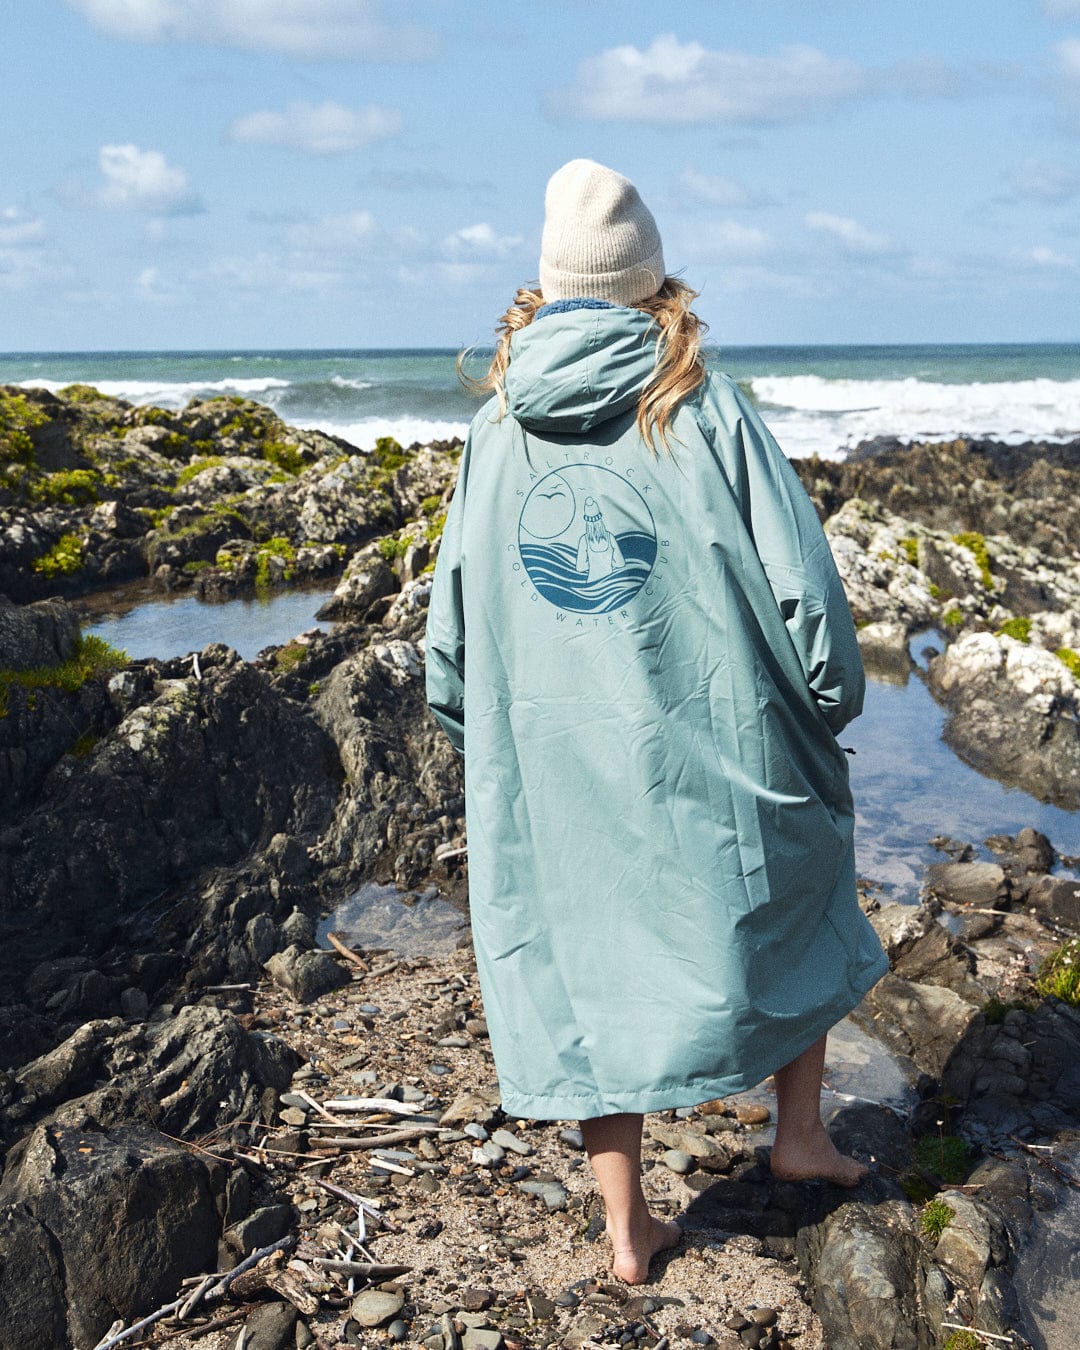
<point>600,240</point>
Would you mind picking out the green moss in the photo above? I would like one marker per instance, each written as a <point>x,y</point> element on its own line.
<point>67,487</point>
<point>18,417</point>
<point>81,393</point>
<point>273,548</point>
<point>430,505</point>
<point>204,448</point>
<point>197,565</point>
<point>64,558</point>
<point>313,689</point>
<point>435,528</point>
<point>964,1340</point>
<point>934,1219</point>
<point>84,744</point>
<point>388,453</point>
<point>886,556</point>
<point>952,618</point>
<point>1059,976</point>
<point>911,550</point>
<point>428,567</point>
<point>946,1155</point>
<point>92,656</point>
<point>1018,628</point>
<point>1070,660</point>
<point>248,424</point>
<point>173,443</point>
<point>288,457</point>
<point>994,1010</point>
<point>157,515</point>
<point>154,416</point>
<point>976,546</point>
<point>289,657</point>
<point>391,547</point>
<point>196,467</point>
<point>936,593</point>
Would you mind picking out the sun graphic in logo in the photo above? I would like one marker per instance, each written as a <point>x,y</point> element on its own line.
<point>587,538</point>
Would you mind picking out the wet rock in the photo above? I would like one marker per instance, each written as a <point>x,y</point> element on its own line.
<point>969,883</point>
<point>1013,713</point>
<point>306,975</point>
<point>1058,898</point>
<point>923,1022</point>
<point>64,1190</point>
<point>884,650</point>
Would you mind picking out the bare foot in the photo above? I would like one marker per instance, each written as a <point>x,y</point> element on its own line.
<point>632,1252</point>
<point>816,1158</point>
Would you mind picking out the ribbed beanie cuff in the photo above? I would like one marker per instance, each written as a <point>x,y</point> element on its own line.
<point>600,240</point>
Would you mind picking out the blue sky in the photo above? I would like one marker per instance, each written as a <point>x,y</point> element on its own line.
<point>344,173</point>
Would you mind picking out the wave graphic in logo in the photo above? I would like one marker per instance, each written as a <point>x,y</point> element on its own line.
<point>586,539</point>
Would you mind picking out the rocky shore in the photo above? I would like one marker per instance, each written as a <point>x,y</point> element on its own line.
<point>184,1065</point>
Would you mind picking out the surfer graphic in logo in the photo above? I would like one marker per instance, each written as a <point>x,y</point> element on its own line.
<point>587,538</point>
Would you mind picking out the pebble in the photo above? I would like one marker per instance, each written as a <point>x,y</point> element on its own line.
<point>476,1026</point>
<point>293,1099</point>
<point>475,1131</point>
<point>341,1024</point>
<point>764,1317</point>
<point>477,1299</point>
<point>292,1115</point>
<point>552,1192</point>
<point>491,1148</point>
<point>684,1112</point>
<point>566,1299</point>
<point>700,1336</point>
<point>482,1159</point>
<point>678,1160</point>
<point>439,1068</point>
<point>375,1307</point>
<point>573,1137</point>
<point>397,1330</point>
<point>751,1113</point>
<point>481,1338</point>
<point>512,1143</point>
<point>369,1009</point>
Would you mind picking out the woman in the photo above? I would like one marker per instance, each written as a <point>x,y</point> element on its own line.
<point>638,640</point>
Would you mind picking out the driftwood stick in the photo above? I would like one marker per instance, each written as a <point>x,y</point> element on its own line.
<point>196,1297</point>
<point>358,1202</point>
<point>135,1327</point>
<point>365,1270</point>
<point>377,1140</point>
<point>221,1289</point>
<point>227,988</point>
<point>304,1096</point>
<point>978,1331</point>
<point>347,952</point>
<point>380,1104</point>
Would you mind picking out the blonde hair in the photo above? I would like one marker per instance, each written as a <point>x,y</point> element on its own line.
<point>679,369</point>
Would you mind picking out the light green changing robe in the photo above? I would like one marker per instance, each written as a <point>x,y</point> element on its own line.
<point>645,661</point>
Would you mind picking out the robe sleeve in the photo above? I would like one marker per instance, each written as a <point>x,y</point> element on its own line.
<point>444,638</point>
<point>794,553</point>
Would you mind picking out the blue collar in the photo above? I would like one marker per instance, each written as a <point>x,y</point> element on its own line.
<point>565,306</point>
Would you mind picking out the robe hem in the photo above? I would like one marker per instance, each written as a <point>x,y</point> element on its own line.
<point>691,1091</point>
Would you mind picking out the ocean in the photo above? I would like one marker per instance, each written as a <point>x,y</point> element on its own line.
<point>817,400</point>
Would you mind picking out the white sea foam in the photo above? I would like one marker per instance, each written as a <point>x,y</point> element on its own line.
<point>404,430</point>
<point>167,393</point>
<point>343,383</point>
<point>809,414</point>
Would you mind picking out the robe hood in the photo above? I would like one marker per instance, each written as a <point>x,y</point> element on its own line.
<point>573,370</point>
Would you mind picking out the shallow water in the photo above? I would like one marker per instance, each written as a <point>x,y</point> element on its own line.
<point>143,622</point>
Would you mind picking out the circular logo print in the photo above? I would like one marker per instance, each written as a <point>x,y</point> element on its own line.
<point>587,538</point>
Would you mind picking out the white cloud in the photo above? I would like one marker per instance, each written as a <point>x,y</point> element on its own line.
<point>318,129</point>
<point>729,239</point>
<point>18,227</point>
<point>352,229</point>
<point>481,241</point>
<point>674,82</point>
<point>1045,181</point>
<point>319,29</point>
<point>849,232</point>
<point>143,180</point>
<point>712,189</point>
<point>1047,257</point>
<point>1061,9</point>
<point>1067,52</point>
